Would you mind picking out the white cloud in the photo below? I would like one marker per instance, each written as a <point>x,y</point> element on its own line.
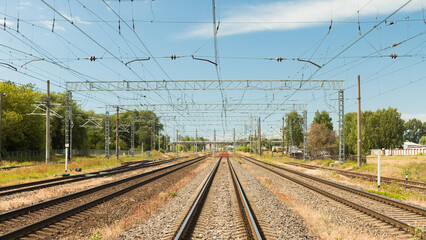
<point>26,3</point>
<point>48,24</point>
<point>23,5</point>
<point>287,15</point>
<point>419,116</point>
<point>76,19</point>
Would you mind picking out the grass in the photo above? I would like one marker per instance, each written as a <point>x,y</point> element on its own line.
<point>42,171</point>
<point>389,194</point>
<point>391,166</point>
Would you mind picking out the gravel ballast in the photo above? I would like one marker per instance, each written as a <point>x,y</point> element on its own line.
<point>283,221</point>
<point>160,224</point>
<point>338,213</point>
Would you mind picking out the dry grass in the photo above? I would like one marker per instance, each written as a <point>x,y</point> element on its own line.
<point>318,222</point>
<point>36,196</point>
<point>46,194</point>
<point>140,212</point>
<point>391,166</point>
<point>42,171</point>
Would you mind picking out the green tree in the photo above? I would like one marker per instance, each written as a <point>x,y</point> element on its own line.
<point>422,140</point>
<point>21,131</point>
<point>381,129</point>
<point>320,136</point>
<point>323,118</point>
<point>414,130</point>
<point>295,121</point>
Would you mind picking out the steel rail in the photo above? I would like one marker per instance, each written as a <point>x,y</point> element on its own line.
<point>256,231</point>
<point>197,205</point>
<point>406,183</point>
<point>24,187</point>
<point>373,196</point>
<point>393,221</point>
<point>68,213</point>
<point>16,212</point>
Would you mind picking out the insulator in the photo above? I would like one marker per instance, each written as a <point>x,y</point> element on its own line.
<point>393,56</point>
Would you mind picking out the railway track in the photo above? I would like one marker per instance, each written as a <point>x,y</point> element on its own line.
<point>221,207</point>
<point>390,214</point>
<point>370,177</point>
<point>45,219</point>
<point>126,167</point>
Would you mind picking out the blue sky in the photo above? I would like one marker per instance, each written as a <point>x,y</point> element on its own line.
<point>249,32</point>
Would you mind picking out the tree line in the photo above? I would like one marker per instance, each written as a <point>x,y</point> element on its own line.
<point>21,131</point>
<point>383,128</point>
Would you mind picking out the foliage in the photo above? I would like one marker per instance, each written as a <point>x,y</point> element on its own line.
<point>422,140</point>
<point>295,122</point>
<point>323,118</point>
<point>27,132</point>
<point>388,194</point>
<point>19,130</point>
<point>414,130</point>
<point>381,129</point>
<point>96,236</point>
<point>321,136</point>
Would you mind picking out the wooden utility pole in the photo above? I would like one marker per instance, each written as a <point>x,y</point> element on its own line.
<point>48,123</point>
<point>260,139</point>
<point>359,124</point>
<point>116,134</point>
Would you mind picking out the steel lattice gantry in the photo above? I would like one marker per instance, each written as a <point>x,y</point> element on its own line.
<point>190,85</point>
<point>179,85</point>
<point>215,107</point>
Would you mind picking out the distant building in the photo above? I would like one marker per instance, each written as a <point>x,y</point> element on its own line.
<point>410,145</point>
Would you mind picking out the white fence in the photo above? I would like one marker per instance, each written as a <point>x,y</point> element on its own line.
<point>403,152</point>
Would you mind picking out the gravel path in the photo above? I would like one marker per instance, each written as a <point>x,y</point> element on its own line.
<point>337,212</point>
<point>159,225</point>
<point>282,220</point>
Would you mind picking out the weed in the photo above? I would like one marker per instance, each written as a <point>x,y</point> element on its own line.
<point>173,193</point>
<point>268,180</point>
<point>389,194</point>
<point>96,236</point>
<point>365,167</point>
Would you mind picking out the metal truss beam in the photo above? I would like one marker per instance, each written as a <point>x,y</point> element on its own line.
<point>211,142</point>
<point>179,85</point>
<point>214,107</point>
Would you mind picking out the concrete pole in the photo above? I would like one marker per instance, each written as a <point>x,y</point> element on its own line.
<point>177,143</point>
<point>283,137</point>
<point>260,139</point>
<point>251,135</point>
<point>359,124</point>
<point>116,134</point>
<point>378,168</point>
<point>214,143</point>
<point>1,115</point>
<point>196,142</point>
<point>48,123</point>
<point>234,142</point>
<point>141,146</point>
